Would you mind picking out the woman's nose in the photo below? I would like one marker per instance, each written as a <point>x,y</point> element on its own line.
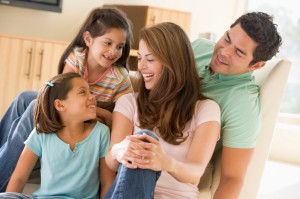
<point>141,64</point>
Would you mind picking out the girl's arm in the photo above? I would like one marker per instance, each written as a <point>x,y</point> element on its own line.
<point>107,177</point>
<point>198,156</point>
<point>104,116</point>
<point>22,171</point>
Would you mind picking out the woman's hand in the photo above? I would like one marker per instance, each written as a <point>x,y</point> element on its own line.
<point>127,152</point>
<point>151,156</point>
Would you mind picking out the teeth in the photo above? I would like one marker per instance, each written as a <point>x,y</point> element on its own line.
<point>221,60</point>
<point>108,57</point>
<point>148,75</point>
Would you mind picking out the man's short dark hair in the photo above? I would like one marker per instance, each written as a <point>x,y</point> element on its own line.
<point>260,27</point>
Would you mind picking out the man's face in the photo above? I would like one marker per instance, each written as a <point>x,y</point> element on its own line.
<point>233,53</point>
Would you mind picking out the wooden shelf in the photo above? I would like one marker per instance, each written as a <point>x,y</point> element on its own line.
<point>133,53</point>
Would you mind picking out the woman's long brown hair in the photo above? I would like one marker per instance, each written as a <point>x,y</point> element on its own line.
<point>170,105</point>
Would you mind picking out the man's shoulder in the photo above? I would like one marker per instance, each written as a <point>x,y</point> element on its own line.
<point>203,47</point>
<point>202,42</point>
<point>203,51</point>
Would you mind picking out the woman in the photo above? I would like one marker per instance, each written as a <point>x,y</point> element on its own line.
<point>171,108</point>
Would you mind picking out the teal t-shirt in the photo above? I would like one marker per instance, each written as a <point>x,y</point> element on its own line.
<point>237,96</point>
<point>70,174</point>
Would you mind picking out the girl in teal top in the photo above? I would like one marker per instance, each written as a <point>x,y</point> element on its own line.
<point>71,150</point>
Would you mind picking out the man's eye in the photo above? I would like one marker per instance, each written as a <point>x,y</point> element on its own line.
<point>239,53</point>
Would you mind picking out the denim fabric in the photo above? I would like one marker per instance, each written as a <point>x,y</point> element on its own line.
<point>15,127</point>
<point>134,183</point>
<point>150,133</point>
<point>10,195</point>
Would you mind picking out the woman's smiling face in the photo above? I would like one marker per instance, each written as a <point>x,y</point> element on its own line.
<point>148,65</point>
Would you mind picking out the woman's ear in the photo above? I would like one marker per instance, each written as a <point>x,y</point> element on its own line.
<point>59,105</point>
<point>88,40</point>
<point>257,65</point>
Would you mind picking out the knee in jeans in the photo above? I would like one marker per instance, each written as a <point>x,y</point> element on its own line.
<point>148,132</point>
<point>27,94</point>
<point>25,97</point>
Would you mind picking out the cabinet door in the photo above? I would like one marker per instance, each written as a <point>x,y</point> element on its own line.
<point>47,55</point>
<point>16,58</point>
<point>25,64</point>
<point>158,15</point>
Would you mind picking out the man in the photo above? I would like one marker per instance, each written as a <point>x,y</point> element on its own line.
<point>226,68</point>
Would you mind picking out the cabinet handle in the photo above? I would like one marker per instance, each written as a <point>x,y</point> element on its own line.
<point>29,52</point>
<point>39,75</point>
<point>153,18</point>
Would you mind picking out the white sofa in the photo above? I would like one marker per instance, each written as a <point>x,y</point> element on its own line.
<point>272,78</point>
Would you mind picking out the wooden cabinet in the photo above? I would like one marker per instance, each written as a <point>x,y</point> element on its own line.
<point>145,16</point>
<point>25,64</point>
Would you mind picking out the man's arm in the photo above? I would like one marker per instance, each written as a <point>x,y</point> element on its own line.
<point>234,164</point>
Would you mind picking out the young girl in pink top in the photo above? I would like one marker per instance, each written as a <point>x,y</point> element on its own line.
<point>99,53</point>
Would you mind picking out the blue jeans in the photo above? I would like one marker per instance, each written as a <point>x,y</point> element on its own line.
<point>10,195</point>
<point>134,183</point>
<point>15,127</point>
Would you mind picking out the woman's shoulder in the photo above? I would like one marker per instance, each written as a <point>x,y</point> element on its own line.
<point>128,97</point>
<point>207,110</point>
<point>126,101</point>
<point>207,104</point>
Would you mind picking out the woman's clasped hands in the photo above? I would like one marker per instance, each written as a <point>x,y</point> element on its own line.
<point>140,151</point>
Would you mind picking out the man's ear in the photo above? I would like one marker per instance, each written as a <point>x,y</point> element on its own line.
<point>87,38</point>
<point>257,65</point>
<point>59,105</point>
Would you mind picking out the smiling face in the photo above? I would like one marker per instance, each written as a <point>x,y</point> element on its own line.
<point>105,50</point>
<point>148,65</point>
<point>80,104</point>
<point>233,53</point>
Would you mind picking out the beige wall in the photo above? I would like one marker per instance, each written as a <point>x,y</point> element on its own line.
<point>208,16</point>
<point>43,24</point>
<point>285,144</point>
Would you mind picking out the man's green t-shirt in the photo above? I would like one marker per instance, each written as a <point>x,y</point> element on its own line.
<point>237,96</point>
